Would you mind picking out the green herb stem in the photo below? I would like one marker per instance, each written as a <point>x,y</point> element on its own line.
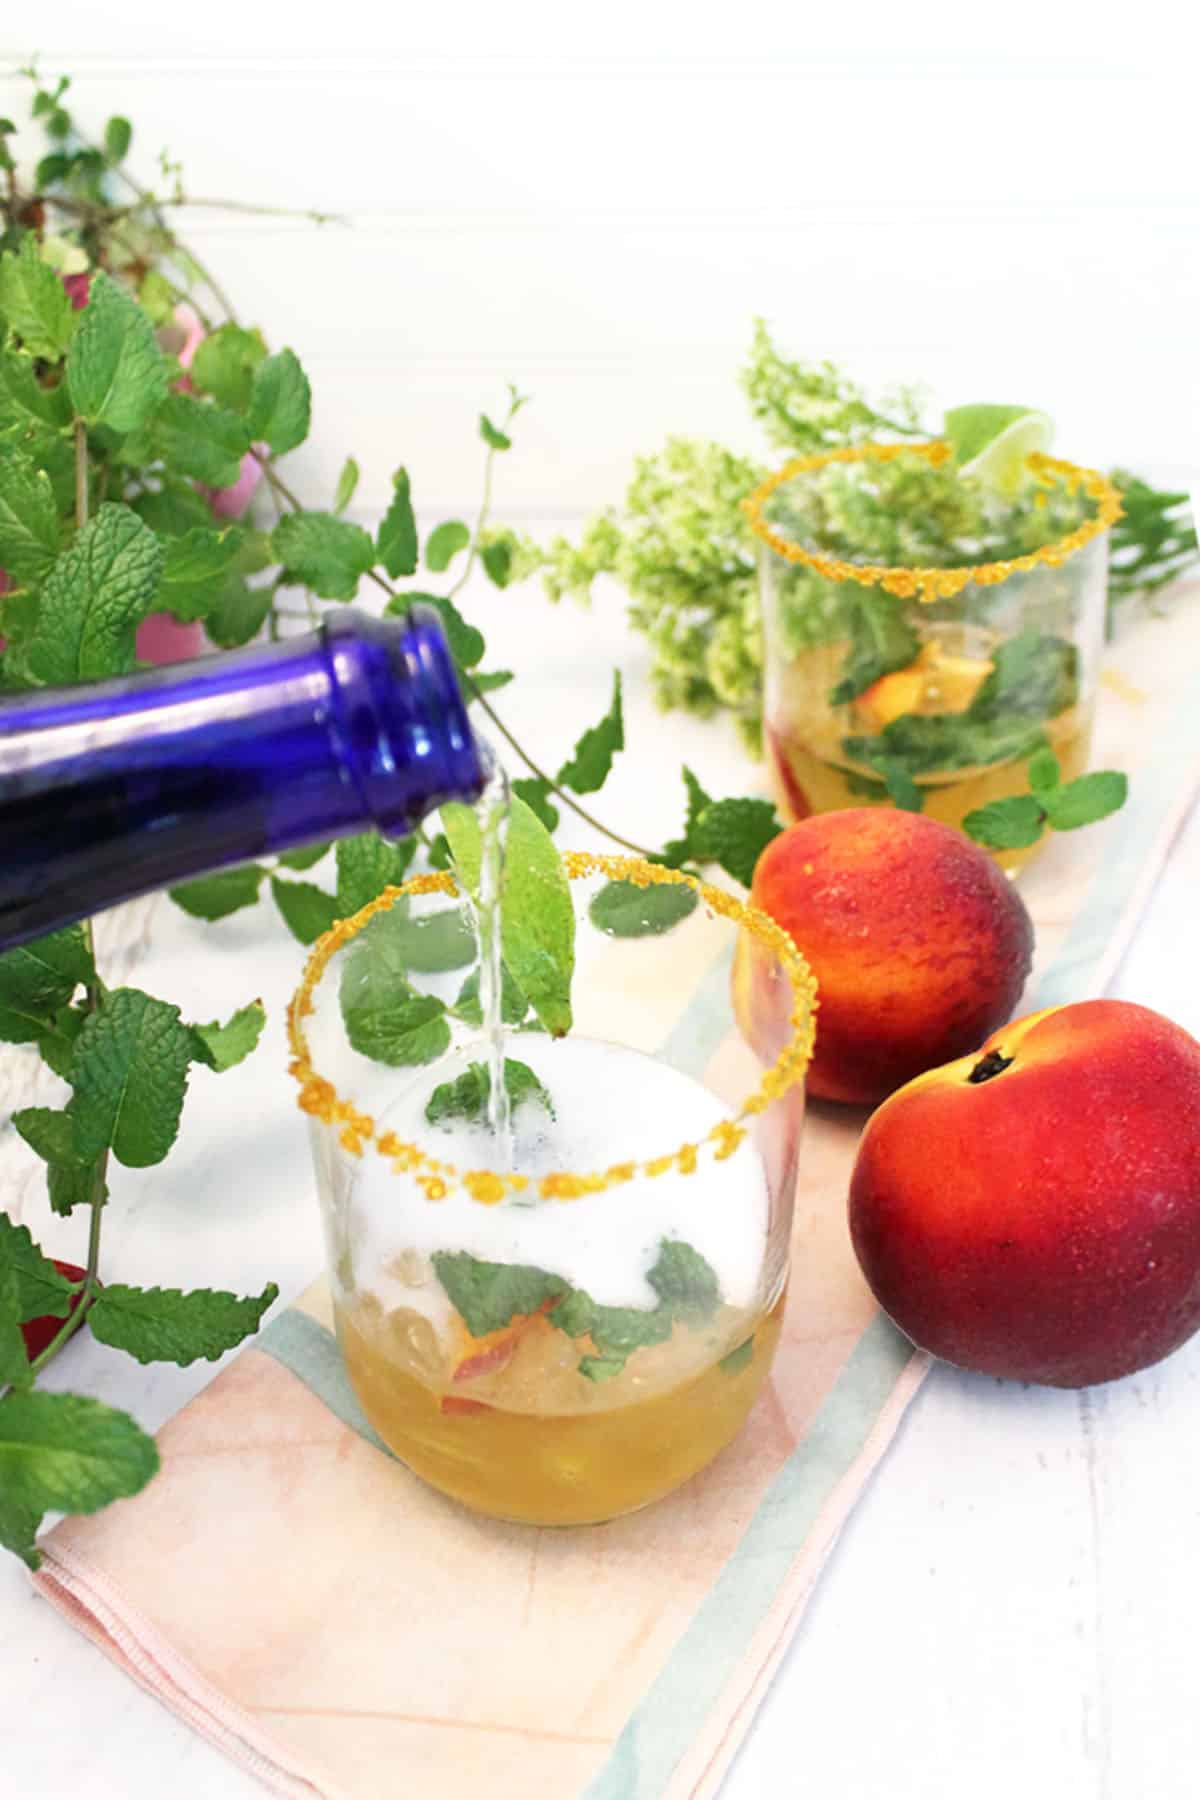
<point>81,475</point>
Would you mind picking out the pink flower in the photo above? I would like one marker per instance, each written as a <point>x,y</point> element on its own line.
<point>77,289</point>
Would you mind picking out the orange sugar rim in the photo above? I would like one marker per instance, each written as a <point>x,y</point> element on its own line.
<point>924,584</point>
<point>320,1099</point>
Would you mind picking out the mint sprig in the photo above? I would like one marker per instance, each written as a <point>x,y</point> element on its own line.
<point>466,1097</point>
<point>1019,821</point>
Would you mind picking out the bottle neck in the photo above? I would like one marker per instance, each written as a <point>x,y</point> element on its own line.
<point>120,787</point>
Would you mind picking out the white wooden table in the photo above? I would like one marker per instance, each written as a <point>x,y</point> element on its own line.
<point>1011,1608</point>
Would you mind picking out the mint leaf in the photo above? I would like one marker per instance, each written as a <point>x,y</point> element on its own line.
<point>200,439</point>
<point>156,297</point>
<point>494,438</point>
<point>18,1530</point>
<point>239,613</point>
<point>40,1290</point>
<point>737,1359</point>
<point>224,365</point>
<point>684,1281</point>
<point>398,532</point>
<point>1033,676</point>
<point>1085,800</point>
<point>625,910</point>
<point>488,1295</point>
<point>1043,771</point>
<point>196,569</point>
<point>1010,824</point>
<point>601,1368</point>
<point>29,535</point>
<point>467,646</point>
<point>481,683</point>
<point>513,1004</point>
<point>94,598</point>
<point>35,302</point>
<point>307,910</point>
<point>920,743</point>
<point>535,793</point>
<point>116,373</point>
<point>68,1186</point>
<point>305,858</point>
<point>66,1453</point>
<point>130,1073</point>
<point>221,1047</point>
<point>881,641</point>
<point>165,1325</point>
<point>50,1134</point>
<point>432,943</point>
<point>734,833</point>
<point>444,543</point>
<point>24,403</point>
<point>14,1360</point>
<point>118,135</point>
<point>281,403</point>
<point>328,555</point>
<point>39,978</point>
<point>216,896</point>
<point>537,914</point>
<point>588,768</point>
<point>679,850</point>
<point>56,1045</point>
<point>366,865</point>
<point>347,482</point>
<point>173,509</point>
<point>384,1017</point>
<point>467,1097</point>
<point>496,558</point>
<point>898,784</point>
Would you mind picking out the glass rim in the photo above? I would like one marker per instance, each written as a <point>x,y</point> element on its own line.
<point>320,1100</point>
<point>930,584</point>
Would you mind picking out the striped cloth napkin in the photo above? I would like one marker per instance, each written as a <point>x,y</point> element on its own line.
<point>341,1630</point>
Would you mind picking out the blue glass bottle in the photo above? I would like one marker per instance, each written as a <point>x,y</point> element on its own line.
<point>118,787</point>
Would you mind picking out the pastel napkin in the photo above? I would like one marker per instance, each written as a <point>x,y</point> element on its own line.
<point>343,1631</point>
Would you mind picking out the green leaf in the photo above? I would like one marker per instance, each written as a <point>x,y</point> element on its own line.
<point>734,833</point>
<point>589,766</point>
<point>239,613</point>
<point>328,555</point>
<point>39,978</point>
<point>537,915</point>
<point>1010,824</point>
<point>444,543</point>
<point>56,1045</point>
<point>222,1047</point>
<point>156,297</point>
<point>492,436</point>
<point>52,168</point>
<point>347,481</point>
<point>366,865</point>
<point>684,1282</point>
<point>41,1290</point>
<point>384,1017</point>
<point>24,402</point>
<point>898,784</point>
<point>308,911</point>
<point>433,942</point>
<point>14,1362</point>
<point>130,1073</point>
<point>50,1134</point>
<point>18,1531</point>
<point>29,535</point>
<point>281,403</point>
<point>738,1359</point>
<point>622,909</point>
<point>165,1325</point>
<point>305,858</point>
<point>94,598</point>
<point>497,561</point>
<point>173,509</point>
<point>69,1187</point>
<point>216,896</point>
<point>881,641</point>
<point>118,135</point>
<point>481,683</point>
<point>467,1097</point>
<point>487,1295</point>
<point>466,644</point>
<point>66,1453</point>
<point>1033,676</point>
<point>513,1004</point>
<point>35,302</point>
<point>200,439</point>
<point>601,1368</point>
<point>680,850</point>
<point>1043,771</point>
<point>535,793</point>
<point>1085,800</point>
<point>919,743</point>
<point>196,569</point>
<point>225,363</point>
<point>116,373</point>
<point>398,532</point>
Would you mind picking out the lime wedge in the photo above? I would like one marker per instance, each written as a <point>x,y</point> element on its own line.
<point>991,443</point>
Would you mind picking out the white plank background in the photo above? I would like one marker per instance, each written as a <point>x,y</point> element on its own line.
<point>593,203</point>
